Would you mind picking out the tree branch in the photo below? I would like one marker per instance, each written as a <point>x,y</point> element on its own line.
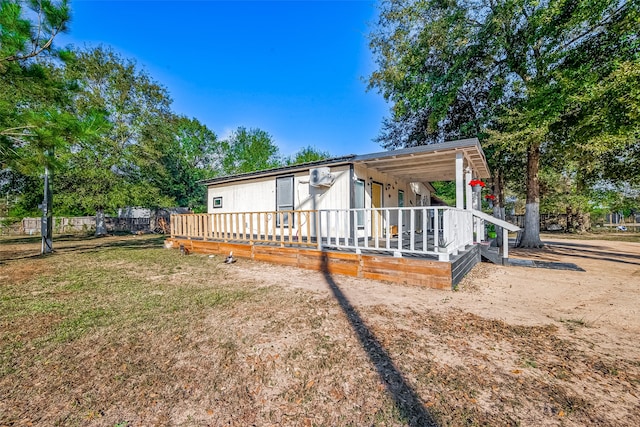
<point>10,131</point>
<point>34,52</point>
<point>590,29</point>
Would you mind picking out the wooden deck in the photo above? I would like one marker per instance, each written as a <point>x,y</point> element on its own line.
<point>424,271</point>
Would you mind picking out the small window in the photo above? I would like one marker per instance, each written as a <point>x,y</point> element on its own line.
<point>284,198</point>
<point>400,199</point>
<point>358,201</point>
<point>217,202</point>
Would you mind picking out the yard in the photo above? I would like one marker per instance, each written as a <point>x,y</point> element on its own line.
<point>119,331</point>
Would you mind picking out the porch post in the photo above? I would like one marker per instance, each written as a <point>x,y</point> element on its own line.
<point>459,181</point>
<point>468,189</point>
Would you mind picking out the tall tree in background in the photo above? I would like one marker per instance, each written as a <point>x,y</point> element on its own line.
<point>103,171</point>
<point>249,150</point>
<point>461,68</point>
<point>306,155</point>
<point>184,152</point>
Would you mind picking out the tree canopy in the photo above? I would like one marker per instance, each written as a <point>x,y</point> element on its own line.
<point>532,79</point>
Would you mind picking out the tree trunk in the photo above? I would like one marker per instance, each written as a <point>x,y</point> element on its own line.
<point>531,234</point>
<point>101,226</point>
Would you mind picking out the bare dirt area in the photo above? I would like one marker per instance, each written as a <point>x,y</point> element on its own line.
<point>120,331</point>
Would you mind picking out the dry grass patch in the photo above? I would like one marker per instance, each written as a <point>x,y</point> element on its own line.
<point>130,334</point>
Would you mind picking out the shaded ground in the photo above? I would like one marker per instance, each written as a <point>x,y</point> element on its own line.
<point>119,331</point>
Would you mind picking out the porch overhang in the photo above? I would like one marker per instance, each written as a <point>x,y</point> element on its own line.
<point>429,163</point>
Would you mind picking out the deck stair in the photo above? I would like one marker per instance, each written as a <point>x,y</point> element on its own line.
<point>490,250</point>
<point>492,253</point>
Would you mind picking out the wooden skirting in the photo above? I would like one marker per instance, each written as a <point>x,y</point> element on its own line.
<point>409,271</point>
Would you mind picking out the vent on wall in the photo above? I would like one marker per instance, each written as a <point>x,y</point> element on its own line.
<point>321,177</point>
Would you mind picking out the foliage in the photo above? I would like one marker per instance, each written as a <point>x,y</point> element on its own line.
<point>532,79</point>
<point>306,155</point>
<point>249,150</point>
<point>32,94</point>
<point>446,191</point>
<point>185,152</point>
<point>102,126</point>
<point>115,101</point>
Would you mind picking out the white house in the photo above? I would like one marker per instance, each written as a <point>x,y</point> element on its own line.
<point>368,205</point>
<point>390,179</point>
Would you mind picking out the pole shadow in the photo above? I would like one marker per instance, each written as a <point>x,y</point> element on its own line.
<point>405,398</point>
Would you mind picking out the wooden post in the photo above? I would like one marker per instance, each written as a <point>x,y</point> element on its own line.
<point>412,229</point>
<point>468,189</point>
<point>459,181</point>
<point>505,245</point>
<point>269,230</point>
<point>226,227</point>
<point>318,229</point>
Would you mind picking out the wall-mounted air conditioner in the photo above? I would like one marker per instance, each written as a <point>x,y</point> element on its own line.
<point>321,177</point>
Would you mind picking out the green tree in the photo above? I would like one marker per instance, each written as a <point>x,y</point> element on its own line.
<point>459,68</point>
<point>248,151</point>
<point>306,155</point>
<point>34,119</point>
<point>117,101</point>
<point>31,92</point>
<point>184,152</point>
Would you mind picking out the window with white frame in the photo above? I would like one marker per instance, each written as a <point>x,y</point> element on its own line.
<point>284,198</point>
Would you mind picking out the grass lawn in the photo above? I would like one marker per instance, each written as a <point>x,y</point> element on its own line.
<point>122,332</point>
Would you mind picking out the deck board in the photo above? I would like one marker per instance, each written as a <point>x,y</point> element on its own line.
<point>420,270</point>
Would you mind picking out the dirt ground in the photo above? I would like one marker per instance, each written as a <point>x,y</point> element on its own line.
<point>605,297</point>
<point>598,308</point>
<point>512,346</point>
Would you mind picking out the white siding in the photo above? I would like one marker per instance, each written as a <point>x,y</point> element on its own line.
<point>259,194</point>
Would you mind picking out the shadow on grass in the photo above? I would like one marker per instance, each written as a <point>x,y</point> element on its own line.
<point>77,244</point>
<point>405,398</point>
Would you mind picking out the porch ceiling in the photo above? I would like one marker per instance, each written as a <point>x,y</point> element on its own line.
<point>428,163</point>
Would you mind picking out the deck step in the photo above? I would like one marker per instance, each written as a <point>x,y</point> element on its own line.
<point>491,254</point>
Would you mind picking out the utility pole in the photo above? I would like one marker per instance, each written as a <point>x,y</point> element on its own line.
<point>47,215</point>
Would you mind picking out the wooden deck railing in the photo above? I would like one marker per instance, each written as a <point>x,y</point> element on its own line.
<point>437,231</point>
<point>280,227</point>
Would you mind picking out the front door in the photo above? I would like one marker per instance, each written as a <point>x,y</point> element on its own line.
<point>376,216</point>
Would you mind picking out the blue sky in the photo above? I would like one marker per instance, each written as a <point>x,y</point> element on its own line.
<point>296,69</point>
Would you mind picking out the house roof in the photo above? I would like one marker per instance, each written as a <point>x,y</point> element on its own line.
<point>335,161</point>
<point>426,163</point>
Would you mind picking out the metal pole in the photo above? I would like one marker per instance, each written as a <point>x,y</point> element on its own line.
<point>47,216</point>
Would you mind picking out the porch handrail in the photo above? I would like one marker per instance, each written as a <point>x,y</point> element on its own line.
<point>437,231</point>
<point>500,223</point>
<point>422,230</point>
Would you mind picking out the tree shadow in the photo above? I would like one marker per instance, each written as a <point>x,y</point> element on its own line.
<point>405,398</point>
<point>553,250</point>
<point>70,243</point>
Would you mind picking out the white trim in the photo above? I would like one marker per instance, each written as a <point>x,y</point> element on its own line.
<point>459,181</point>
